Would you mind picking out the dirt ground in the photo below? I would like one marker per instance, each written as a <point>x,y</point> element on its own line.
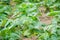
<point>33,38</point>
<point>44,18</point>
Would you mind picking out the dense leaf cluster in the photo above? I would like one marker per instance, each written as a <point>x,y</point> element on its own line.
<point>20,18</point>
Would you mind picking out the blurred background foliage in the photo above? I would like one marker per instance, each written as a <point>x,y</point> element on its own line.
<point>20,18</point>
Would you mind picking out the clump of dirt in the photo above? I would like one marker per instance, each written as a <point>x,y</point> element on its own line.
<point>32,38</point>
<point>44,18</point>
<point>26,39</point>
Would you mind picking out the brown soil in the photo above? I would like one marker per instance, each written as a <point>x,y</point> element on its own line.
<point>44,18</point>
<point>26,39</point>
<point>33,38</point>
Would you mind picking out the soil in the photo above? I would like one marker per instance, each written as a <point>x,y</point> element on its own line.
<point>44,18</point>
<point>33,38</point>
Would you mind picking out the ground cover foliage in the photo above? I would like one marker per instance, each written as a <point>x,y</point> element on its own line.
<point>20,18</point>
